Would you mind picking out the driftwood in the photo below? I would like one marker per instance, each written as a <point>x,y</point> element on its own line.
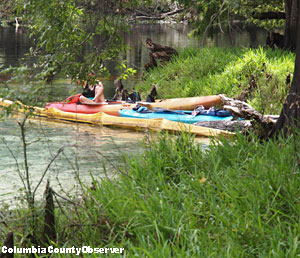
<point>158,52</point>
<point>263,124</point>
<point>9,243</point>
<point>243,110</point>
<point>154,48</point>
<point>240,109</point>
<point>226,125</point>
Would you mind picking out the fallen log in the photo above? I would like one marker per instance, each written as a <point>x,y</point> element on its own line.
<point>154,48</point>
<point>240,109</point>
<point>231,126</point>
<point>243,110</point>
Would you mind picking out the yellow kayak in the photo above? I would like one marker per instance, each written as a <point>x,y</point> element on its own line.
<point>101,118</point>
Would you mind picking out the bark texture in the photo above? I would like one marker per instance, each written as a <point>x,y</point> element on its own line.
<point>291,14</point>
<point>158,52</point>
<point>231,126</point>
<point>262,124</point>
<point>290,114</point>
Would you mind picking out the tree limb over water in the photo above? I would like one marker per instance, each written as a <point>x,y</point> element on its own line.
<point>269,15</point>
<point>156,17</point>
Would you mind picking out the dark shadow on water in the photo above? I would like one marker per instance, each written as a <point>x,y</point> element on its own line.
<point>13,47</point>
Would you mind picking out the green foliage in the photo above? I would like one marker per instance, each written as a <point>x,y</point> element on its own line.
<point>75,37</point>
<point>248,8</point>
<point>214,13</point>
<point>177,198</point>
<point>180,199</point>
<point>225,71</point>
<point>270,69</point>
<point>7,13</point>
<point>188,75</point>
<point>28,88</point>
<point>125,71</point>
<point>235,199</point>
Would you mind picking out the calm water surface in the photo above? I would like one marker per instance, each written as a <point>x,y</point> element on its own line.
<point>94,145</point>
<point>15,44</point>
<point>85,150</point>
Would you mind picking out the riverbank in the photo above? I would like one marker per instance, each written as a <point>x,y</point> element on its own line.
<point>178,199</point>
<point>265,73</point>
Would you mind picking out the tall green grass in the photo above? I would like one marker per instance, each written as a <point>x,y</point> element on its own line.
<point>225,71</point>
<point>180,199</point>
<point>236,198</point>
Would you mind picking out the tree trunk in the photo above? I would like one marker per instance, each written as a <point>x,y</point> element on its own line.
<point>291,14</point>
<point>290,114</point>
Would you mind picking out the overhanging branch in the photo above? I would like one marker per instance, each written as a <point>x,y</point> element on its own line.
<point>269,15</point>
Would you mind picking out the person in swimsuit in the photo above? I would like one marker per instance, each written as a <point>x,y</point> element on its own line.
<point>92,93</point>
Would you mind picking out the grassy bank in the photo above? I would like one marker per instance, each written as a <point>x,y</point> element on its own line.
<point>176,199</point>
<point>233,200</point>
<point>237,198</point>
<point>225,71</point>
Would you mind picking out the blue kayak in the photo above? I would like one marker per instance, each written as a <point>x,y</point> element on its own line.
<point>176,115</point>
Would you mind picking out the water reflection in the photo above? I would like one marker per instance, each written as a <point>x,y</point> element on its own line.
<point>176,35</point>
<point>85,149</point>
<point>13,47</point>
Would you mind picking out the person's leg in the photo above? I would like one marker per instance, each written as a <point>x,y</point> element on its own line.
<point>99,95</point>
<point>85,100</point>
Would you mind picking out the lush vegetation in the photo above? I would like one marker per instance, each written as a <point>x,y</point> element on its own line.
<point>178,199</point>
<point>7,11</point>
<point>216,13</point>
<point>234,198</point>
<point>76,37</point>
<point>226,71</point>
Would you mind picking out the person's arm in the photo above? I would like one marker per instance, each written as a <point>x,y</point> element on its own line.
<point>99,83</point>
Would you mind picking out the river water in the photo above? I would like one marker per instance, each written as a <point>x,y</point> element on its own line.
<point>85,148</point>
